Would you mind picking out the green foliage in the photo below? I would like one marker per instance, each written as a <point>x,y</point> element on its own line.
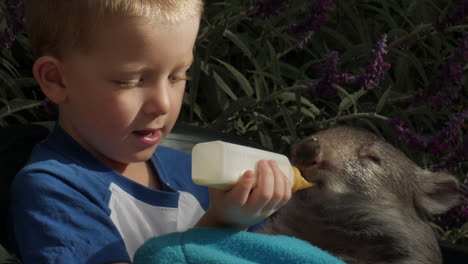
<point>455,235</point>
<point>7,258</point>
<point>18,101</point>
<point>253,75</point>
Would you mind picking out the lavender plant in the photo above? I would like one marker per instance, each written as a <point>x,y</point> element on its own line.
<point>266,8</point>
<point>313,20</point>
<point>331,73</point>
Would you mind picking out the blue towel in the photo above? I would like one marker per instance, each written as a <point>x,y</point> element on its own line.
<point>227,246</point>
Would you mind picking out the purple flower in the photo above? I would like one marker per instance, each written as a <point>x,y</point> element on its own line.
<point>377,68</point>
<point>267,8</point>
<point>316,17</point>
<point>451,132</point>
<point>446,84</point>
<point>440,143</point>
<point>331,73</point>
<point>454,17</point>
<point>454,161</point>
<point>407,135</point>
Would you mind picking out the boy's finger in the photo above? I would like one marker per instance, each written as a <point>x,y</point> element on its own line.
<point>279,190</point>
<point>240,192</point>
<point>288,185</point>
<point>263,192</point>
<point>284,183</point>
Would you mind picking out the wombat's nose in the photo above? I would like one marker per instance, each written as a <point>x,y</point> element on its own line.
<point>306,152</point>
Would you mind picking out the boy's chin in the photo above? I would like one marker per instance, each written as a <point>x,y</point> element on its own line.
<point>144,155</point>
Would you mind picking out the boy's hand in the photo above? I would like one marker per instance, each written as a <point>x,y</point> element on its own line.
<point>248,203</point>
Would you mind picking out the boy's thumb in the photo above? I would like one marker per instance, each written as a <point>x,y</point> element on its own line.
<point>243,187</point>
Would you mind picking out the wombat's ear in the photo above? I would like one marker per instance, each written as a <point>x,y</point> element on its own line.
<point>440,192</point>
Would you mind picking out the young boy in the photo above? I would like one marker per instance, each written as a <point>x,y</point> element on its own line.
<point>99,186</point>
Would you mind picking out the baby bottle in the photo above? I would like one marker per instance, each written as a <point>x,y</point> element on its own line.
<point>220,164</point>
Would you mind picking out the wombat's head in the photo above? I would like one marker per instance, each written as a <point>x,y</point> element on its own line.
<point>371,202</point>
<point>345,160</point>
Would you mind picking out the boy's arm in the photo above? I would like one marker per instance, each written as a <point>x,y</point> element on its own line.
<point>252,199</point>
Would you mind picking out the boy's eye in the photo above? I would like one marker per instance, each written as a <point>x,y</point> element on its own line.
<point>177,78</point>
<point>128,84</point>
<point>134,83</point>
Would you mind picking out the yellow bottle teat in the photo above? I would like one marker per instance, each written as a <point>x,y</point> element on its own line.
<point>299,182</point>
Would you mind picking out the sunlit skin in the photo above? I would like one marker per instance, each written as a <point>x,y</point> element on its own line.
<point>132,81</point>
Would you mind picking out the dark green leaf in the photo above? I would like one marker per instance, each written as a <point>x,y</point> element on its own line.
<point>244,83</point>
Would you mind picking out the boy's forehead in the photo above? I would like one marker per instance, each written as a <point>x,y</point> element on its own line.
<point>132,30</point>
<point>131,44</point>
<point>136,67</point>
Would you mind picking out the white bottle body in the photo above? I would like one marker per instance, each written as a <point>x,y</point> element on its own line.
<point>220,164</point>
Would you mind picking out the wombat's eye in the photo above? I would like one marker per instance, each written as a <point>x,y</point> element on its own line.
<point>374,158</point>
<point>367,153</point>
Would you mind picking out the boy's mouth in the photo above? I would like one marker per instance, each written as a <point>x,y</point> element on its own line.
<point>148,137</point>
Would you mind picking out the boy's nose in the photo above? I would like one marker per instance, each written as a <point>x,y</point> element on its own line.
<point>158,99</point>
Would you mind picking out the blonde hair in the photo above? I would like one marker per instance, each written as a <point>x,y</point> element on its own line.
<point>55,26</point>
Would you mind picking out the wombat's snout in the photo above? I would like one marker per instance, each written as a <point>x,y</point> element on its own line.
<point>305,152</point>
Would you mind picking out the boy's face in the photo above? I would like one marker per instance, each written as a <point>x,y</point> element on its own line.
<point>124,95</point>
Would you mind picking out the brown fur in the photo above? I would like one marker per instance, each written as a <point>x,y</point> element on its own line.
<point>372,204</point>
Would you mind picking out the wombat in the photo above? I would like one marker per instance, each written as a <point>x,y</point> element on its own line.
<point>371,204</point>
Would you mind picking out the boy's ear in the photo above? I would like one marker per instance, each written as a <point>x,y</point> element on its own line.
<point>47,72</point>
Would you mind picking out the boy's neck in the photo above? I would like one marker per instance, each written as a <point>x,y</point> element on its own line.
<point>144,173</point>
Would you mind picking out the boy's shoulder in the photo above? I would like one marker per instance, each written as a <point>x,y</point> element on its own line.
<point>58,154</point>
<point>56,165</point>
